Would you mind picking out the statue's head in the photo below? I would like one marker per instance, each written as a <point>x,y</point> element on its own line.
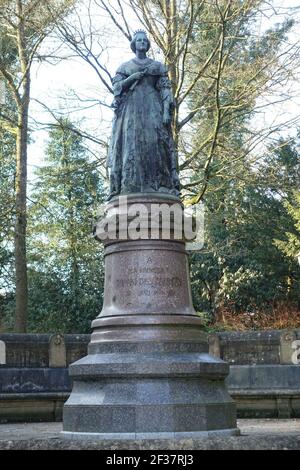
<point>138,36</point>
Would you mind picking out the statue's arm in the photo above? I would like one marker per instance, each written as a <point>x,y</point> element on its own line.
<point>132,79</point>
<point>121,82</point>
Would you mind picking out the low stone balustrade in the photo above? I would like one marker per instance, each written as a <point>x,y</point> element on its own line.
<point>264,375</point>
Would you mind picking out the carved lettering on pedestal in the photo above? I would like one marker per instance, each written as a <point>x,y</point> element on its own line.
<point>163,282</point>
<point>147,269</point>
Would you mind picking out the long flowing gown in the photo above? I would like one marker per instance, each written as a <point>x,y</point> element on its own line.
<point>141,154</point>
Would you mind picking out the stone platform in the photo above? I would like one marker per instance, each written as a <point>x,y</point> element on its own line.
<point>148,372</point>
<point>269,434</point>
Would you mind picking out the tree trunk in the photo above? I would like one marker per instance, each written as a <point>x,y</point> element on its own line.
<point>171,43</point>
<point>21,215</point>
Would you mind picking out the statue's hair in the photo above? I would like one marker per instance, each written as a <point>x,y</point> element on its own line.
<point>132,43</point>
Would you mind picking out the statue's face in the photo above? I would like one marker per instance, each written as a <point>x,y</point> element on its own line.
<point>141,42</point>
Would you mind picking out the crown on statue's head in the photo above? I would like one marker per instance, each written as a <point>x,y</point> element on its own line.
<point>139,31</point>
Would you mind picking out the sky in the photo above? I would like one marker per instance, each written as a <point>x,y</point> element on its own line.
<point>53,85</point>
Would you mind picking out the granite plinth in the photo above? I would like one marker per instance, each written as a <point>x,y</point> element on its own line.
<point>148,369</point>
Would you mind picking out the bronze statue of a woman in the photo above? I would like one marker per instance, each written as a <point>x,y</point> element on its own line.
<point>141,154</point>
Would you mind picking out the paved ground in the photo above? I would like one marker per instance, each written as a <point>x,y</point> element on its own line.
<point>255,434</point>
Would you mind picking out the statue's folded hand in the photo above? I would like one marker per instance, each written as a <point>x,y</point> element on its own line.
<point>137,75</point>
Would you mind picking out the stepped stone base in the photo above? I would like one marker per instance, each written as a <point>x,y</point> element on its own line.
<point>149,392</point>
<point>148,369</point>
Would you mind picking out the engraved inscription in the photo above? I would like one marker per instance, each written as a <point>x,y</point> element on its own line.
<point>145,282</point>
<point>146,269</point>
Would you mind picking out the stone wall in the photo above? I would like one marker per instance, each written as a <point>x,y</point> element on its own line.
<point>34,379</point>
<point>255,347</point>
<point>264,377</point>
<point>42,350</point>
<point>236,348</point>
